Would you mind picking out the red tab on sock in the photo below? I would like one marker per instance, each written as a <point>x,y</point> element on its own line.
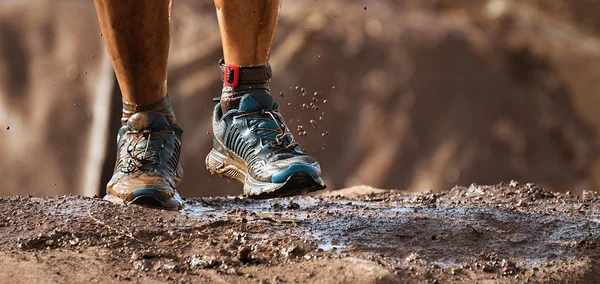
<point>231,76</point>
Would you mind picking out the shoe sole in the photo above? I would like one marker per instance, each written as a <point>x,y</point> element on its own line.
<point>297,184</point>
<point>149,200</point>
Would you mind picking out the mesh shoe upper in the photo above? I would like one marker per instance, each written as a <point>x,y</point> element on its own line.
<point>255,135</point>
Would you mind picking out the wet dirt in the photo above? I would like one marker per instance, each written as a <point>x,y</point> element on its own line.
<point>505,233</point>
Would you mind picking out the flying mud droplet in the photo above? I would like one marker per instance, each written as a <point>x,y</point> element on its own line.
<point>7,127</point>
<point>281,94</point>
<point>320,118</point>
<point>324,101</point>
<point>365,8</point>
<point>301,130</point>
<point>314,124</point>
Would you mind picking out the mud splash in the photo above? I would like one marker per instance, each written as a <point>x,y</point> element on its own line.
<point>505,232</point>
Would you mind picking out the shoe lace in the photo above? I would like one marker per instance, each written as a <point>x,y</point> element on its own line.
<point>142,158</point>
<point>278,141</point>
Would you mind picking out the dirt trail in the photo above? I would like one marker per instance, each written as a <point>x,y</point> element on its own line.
<point>507,233</point>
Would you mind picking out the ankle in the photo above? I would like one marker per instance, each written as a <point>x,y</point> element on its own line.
<point>240,80</point>
<point>162,106</point>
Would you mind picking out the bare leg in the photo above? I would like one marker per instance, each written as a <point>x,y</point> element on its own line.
<point>247,29</point>
<point>137,38</point>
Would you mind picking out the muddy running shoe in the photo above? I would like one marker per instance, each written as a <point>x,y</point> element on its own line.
<point>253,145</point>
<point>147,169</point>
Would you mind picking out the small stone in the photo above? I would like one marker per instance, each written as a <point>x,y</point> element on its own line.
<point>244,254</point>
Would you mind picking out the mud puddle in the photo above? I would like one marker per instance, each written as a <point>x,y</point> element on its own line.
<point>503,233</point>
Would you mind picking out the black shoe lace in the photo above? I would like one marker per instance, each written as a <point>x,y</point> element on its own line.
<point>146,158</point>
<point>279,141</point>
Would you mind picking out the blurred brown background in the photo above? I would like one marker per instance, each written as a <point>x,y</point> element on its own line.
<point>421,94</point>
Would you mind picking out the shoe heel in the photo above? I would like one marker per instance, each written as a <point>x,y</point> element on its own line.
<point>223,166</point>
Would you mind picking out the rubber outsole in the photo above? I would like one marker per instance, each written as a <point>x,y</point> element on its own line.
<point>297,183</point>
<point>149,200</point>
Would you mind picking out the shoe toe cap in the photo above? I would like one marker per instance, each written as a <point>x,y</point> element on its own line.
<point>167,199</point>
<point>283,175</point>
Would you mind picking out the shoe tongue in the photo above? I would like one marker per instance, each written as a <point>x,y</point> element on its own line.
<point>256,101</point>
<point>143,120</point>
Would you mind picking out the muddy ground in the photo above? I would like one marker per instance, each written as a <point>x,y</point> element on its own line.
<point>506,233</point>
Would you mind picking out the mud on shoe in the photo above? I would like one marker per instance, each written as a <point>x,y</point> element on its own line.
<point>147,170</point>
<point>251,144</point>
